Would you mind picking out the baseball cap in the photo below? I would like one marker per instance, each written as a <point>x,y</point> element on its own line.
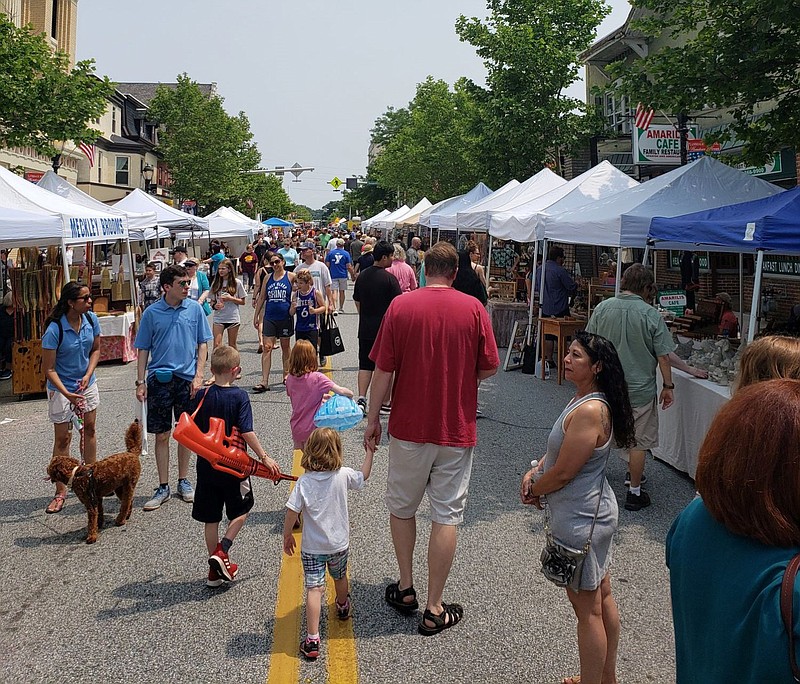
<point>308,244</point>
<point>189,263</point>
<point>180,249</point>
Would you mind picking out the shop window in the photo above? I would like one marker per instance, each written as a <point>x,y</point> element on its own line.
<point>99,167</point>
<point>122,171</point>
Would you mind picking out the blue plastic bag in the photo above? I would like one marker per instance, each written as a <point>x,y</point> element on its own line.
<point>339,413</point>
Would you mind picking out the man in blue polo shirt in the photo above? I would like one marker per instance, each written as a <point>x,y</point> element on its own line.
<point>173,346</point>
<point>340,264</point>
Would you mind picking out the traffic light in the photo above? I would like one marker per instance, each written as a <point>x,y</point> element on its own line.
<point>352,183</point>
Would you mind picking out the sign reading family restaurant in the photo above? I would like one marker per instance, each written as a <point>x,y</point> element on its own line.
<point>658,144</point>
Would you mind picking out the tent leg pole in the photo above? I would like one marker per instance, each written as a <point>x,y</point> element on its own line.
<point>530,305</point>
<point>646,254</point>
<point>64,264</point>
<point>619,275</point>
<point>741,292</point>
<point>754,305</point>
<point>539,340</point>
<point>132,277</point>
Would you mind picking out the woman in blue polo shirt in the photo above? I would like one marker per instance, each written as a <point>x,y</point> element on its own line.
<point>70,352</point>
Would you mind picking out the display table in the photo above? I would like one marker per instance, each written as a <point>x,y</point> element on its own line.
<point>503,316</point>
<point>116,337</point>
<point>683,427</point>
<point>562,329</point>
<point>599,293</point>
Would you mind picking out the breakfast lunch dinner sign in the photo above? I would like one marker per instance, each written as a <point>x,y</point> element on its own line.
<point>658,144</point>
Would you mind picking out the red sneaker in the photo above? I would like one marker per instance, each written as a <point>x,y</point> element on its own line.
<point>221,563</point>
<point>310,648</point>
<point>214,578</point>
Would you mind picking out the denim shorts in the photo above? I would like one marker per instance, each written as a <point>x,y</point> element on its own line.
<point>166,400</point>
<point>314,567</point>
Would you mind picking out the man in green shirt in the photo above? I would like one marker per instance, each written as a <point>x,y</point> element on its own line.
<point>643,344</point>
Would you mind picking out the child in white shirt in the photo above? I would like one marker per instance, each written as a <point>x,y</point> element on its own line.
<point>321,496</point>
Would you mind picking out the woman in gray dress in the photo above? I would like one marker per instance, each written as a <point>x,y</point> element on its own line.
<point>568,482</point>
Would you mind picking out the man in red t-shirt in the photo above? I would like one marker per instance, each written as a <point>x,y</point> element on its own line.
<point>439,345</point>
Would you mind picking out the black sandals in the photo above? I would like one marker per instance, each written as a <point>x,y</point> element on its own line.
<point>395,596</point>
<point>450,616</point>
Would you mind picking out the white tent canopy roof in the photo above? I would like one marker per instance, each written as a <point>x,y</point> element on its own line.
<point>623,219</point>
<point>475,213</point>
<point>387,221</point>
<point>168,217</point>
<point>79,223</point>
<point>442,215</point>
<point>523,222</point>
<point>141,226</point>
<point>411,217</point>
<point>25,228</point>
<point>478,218</point>
<point>223,223</point>
<point>381,214</point>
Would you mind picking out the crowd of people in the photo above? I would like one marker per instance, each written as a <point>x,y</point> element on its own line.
<point>734,540</point>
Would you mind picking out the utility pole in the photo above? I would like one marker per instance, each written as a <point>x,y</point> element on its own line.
<point>683,132</point>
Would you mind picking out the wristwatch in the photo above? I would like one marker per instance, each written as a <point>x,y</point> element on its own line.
<point>141,382</point>
<point>666,386</point>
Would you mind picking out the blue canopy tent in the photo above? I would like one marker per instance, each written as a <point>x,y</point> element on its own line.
<point>770,224</point>
<point>277,222</point>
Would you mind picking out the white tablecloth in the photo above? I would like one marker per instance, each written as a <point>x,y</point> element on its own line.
<point>116,326</point>
<point>683,426</point>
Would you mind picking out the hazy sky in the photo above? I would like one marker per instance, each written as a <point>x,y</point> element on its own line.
<point>312,76</point>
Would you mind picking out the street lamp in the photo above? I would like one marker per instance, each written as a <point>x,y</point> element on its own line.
<point>147,174</point>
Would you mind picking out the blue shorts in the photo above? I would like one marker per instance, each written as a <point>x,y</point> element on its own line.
<point>314,567</point>
<point>166,400</point>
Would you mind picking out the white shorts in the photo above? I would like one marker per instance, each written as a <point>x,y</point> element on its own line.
<point>59,409</point>
<point>339,284</point>
<point>443,472</point>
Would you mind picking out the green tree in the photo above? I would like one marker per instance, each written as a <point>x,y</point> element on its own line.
<point>44,103</point>
<point>388,124</point>
<point>523,119</point>
<point>207,150</point>
<point>737,54</point>
<point>301,212</point>
<point>430,152</point>
<point>325,213</point>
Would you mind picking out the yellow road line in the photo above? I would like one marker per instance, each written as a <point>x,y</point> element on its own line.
<point>284,663</point>
<point>342,663</point>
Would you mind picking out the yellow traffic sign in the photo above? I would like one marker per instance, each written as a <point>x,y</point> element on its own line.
<point>336,183</point>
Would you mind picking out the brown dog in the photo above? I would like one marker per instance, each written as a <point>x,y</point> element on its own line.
<point>117,474</point>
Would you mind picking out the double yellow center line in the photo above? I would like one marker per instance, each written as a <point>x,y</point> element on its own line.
<point>339,647</point>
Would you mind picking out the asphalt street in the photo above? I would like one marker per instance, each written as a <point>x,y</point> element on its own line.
<point>134,606</point>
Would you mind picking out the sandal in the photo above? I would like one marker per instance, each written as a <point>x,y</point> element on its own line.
<point>395,596</point>
<point>56,504</point>
<point>450,616</point>
<point>571,680</point>
<point>261,387</point>
<point>260,349</point>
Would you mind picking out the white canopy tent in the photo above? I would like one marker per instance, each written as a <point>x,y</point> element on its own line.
<point>464,216</point>
<point>25,228</point>
<point>411,217</point>
<point>79,224</point>
<point>387,222</point>
<point>367,223</point>
<point>623,219</point>
<point>141,226</point>
<point>478,218</point>
<point>167,217</point>
<point>227,224</point>
<point>523,223</point>
<point>442,215</point>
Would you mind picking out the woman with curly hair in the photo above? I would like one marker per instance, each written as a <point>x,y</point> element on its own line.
<point>568,482</point>
<point>70,352</point>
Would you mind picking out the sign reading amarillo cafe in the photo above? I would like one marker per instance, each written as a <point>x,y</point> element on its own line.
<point>658,144</point>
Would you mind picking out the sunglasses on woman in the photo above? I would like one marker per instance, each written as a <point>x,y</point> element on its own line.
<point>274,263</point>
<point>85,298</point>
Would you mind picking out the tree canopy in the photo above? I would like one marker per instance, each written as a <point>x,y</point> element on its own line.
<point>737,54</point>
<point>205,148</point>
<point>428,151</point>
<point>530,49</point>
<point>42,101</point>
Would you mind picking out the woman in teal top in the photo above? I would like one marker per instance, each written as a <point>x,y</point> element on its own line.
<point>728,551</point>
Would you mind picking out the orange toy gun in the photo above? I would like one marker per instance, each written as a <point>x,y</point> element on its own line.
<point>224,452</point>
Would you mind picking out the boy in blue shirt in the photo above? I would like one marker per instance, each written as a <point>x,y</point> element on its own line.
<point>173,346</point>
<point>216,489</point>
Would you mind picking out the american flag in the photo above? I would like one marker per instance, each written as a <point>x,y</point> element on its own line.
<point>643,116</point>
<point>695,155</point>
<point>88,150</point>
